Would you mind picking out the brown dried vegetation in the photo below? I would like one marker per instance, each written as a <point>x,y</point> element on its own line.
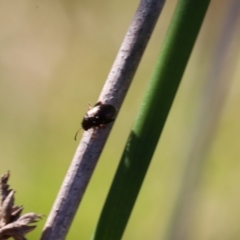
<point>12,225</point>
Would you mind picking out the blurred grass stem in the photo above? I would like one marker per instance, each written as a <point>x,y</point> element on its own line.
<point>211,104</point>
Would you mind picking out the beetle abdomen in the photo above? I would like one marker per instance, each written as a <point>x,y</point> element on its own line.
<point>100,114</point>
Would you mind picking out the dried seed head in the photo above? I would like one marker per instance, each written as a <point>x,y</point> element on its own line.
<point>12,225</point>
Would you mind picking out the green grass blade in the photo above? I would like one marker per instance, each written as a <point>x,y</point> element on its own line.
<point>177,47</point>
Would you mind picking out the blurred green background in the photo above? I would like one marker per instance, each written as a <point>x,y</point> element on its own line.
<point>54,59</point>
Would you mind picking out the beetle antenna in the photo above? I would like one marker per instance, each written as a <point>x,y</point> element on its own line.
<point>75,138</point>
<point>89,105</point>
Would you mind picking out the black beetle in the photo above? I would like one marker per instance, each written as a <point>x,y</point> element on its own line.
<point>97,116</point>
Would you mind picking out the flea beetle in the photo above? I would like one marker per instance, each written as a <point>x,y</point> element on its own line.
<point>97,116</point>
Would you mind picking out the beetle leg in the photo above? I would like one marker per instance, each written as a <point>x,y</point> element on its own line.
<point>94,132</point>
<point>98,103</point>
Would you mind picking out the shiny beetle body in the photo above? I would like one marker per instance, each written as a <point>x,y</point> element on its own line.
<point>99,115</point>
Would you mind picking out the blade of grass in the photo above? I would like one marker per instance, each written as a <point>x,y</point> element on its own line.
<point>139,149</point>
